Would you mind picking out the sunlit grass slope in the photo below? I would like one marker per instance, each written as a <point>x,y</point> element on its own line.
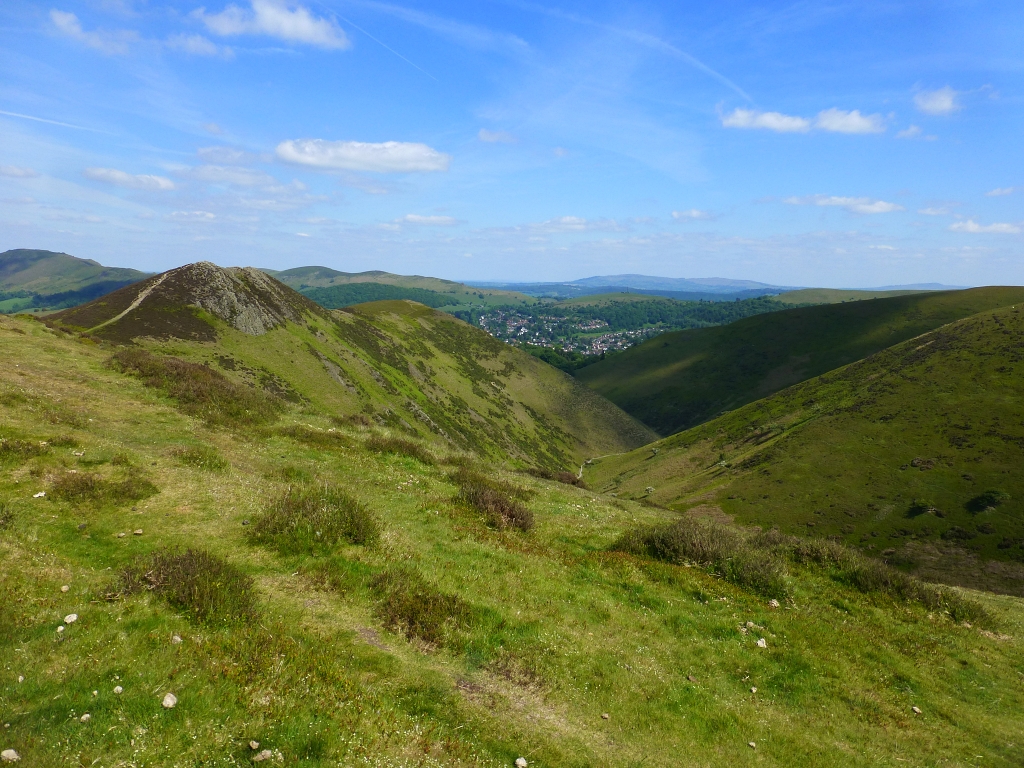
<point>417,631</point>
<point>836,295</point>
<point>678,380</point>
<point>396,363</point>
<point>913,454</point>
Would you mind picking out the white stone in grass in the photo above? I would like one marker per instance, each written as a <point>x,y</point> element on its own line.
<point>175,640</point>
<point>60,629</point>
<point>773,603</point>
<point>169,701</point>
<point>71,618</point>
<point>266,754</point>
<point>137,532</point>
<point>254,745</point>
<point>38,495</point>
<point>752,745</point>
<point>521,762</point>
<point>916,710</point>
<point>762,643</point>
<point>10,756</point>
<point>65,588</point>
<point>21,678</point>
<point>85,718</point>
<point>118,689</point>
<point>753,689</point>
<point>120,535</point>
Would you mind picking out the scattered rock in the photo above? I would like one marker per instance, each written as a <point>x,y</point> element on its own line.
<point>85,718</point>
<point>21,678</point>
<point>254,745</point>
<point>750,625</point>
<point>752,745</point>
<point>170,700</point>
<point>266,754</point>
<point>60,629</point>
<point>175,640</point>
<point>773,603</point>
<point>753,689</point>
<point>691,678</point>
<point>71,618</point>
<point>245,522</point>
<point>95,693</point>
<point>521,762</point>
<point>65,588</point>
<point>81,526</point>
<point>118,689</point>
<point>605,716</point>
<point>137,532</point>
<point>10,756</point>
<point>121,535</point>
<point>38,495</point>
<point>916,710</point>
<point>762,643</point>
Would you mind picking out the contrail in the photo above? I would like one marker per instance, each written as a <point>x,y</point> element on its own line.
<point>421,69</point>
<point>51,122</point>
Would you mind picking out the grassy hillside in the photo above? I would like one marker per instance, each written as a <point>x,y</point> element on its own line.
<point>912,454</point>
<point>395,363</point>
<point>678,380</point>
<point>346,603</point>
<point>836,296</point>
<point>32,280</point>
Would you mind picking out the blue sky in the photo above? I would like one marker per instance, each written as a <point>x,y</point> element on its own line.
<point>855,143</point>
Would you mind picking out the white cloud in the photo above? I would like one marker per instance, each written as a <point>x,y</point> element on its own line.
<point>17,172</point>
<point>201,216</point>
<point>974,228</point>
<point>496,137</point>
<point>233,175</point>
<point>213,128</point>
<point>431,221</point>
<point>935,211</point>
<point>840,121</point>
<point>833,120</point>
<point>693,214</point>
<point>882,248</point>
<point>108,42</point>
<point>1000,191</point>
<point>853,204</point>
<point>577,224</point>
<point>222,155</point>
<point>944,101</point>
<point>128,180</point>
<point>910,133</point>
<point>274,18</point>
<point>197,45</point>
<point>772,121</point>
<point>386,157</point>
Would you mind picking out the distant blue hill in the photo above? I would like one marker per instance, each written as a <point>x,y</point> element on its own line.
<point>706,288</point>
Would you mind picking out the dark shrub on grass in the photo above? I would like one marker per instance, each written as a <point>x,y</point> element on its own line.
<point>494,499</point>
<point>20,450</point>
<point>987,500</point>
<point>568,478</point>
<point>354,420</point>
<point>90,487</point>
<point>199,390</point>
<point>208,588</point>
<point>409,604</point>
<point>63,441</point>
<point>6,516</point>
<point>203,457</point>
<point>318,438</point>
<point>314,519</point>
<point>381,444</point>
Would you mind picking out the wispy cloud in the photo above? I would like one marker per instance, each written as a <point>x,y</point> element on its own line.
<point>430,221</point>
<point>1000,191</point>
<point>385,157</point>
<point>577,224</point>
<point>197,45</point>
<point>694,214</point>
<point>231,175</point>
<point>996,228</point>
<point>935,211</point>
<point>128,180</point>
<point>18,172</point>
<point>832,120</point>
<point>67,24</point>
<point>496,137</point>
<point>285,21</point>
<point>944,101</point>
<point>863,205</point>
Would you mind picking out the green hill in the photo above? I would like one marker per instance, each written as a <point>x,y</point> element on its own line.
<point>33,280</point>
<point>679,380</point>
<point>836,295</point>
<point>329,591</point>
<point>398,363</point>
<point>912,454</point>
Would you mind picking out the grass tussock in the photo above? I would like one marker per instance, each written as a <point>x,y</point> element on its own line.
<point>204,457</point>
<point>314,519</point>
<point>498,501</point>
<point>81,487</point>
<point>208,588</point>
<point>12,450</point>
<point>568,478</point>
<point>402,447</point>
<point>353,420</point>
<point>6,516</point>
<point>410,605</point>
<point>318,438</point>
<point>716,547</point>
<point>199,390</point>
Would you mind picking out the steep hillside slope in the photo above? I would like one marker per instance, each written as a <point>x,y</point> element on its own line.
<point>179,594</point>
<point>39,280</point>
<point>398,363</point>
<point>837,295</point>
<point>913,454</point>
<point>678,380</point>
